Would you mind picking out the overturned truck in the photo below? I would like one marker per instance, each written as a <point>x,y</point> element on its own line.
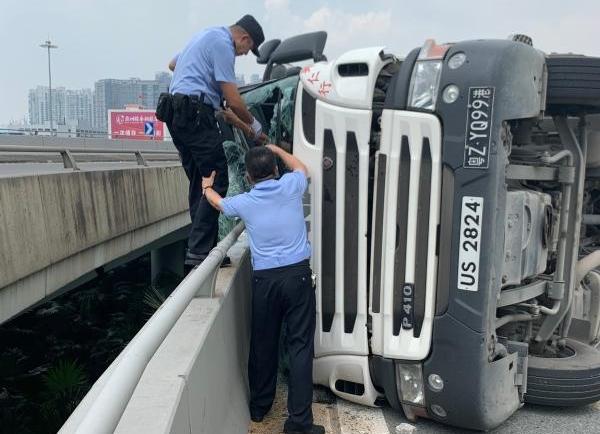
<point>454,214</point>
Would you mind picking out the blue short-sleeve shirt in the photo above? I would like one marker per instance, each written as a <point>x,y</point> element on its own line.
<point>274,218</point>
<point>207,60</point>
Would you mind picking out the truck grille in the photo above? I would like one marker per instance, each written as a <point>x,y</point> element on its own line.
<point>406,219</point>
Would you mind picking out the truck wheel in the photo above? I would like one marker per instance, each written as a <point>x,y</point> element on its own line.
<point>573,84</point>
<point>571,380</point>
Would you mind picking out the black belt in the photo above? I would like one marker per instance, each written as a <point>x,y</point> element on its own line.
<point>292,269</point>
<point>196,99</point>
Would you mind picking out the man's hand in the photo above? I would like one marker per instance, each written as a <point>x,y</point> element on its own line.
<point>213,198</point>
<point>235,101</point>
<point>231,118</point>
<point>288,159</point>
<point>262,139</point>
<point>208,181</point>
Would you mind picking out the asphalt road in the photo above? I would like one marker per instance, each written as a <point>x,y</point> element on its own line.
<point>530,419</point>
<point>342,417</point>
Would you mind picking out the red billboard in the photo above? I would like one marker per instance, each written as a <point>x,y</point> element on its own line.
<point>135,124</point>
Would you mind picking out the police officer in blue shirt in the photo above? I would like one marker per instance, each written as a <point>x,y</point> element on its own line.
<point>203,77</point>
<point>282,289</point>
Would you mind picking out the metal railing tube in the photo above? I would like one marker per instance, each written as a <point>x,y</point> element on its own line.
<point>563,219</point>
<point>551,159</point>
<point>106,411</point>
<point>79,150</point>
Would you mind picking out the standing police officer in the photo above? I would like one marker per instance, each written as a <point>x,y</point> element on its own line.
<point>204,76</point>
<point>282,289</point>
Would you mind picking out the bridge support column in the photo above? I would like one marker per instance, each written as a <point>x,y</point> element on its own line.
<point>168,258</point>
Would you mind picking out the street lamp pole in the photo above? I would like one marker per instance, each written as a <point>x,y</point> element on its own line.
<point>49,45</point>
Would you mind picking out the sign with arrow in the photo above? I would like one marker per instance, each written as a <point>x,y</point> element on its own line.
<point>135,124</point>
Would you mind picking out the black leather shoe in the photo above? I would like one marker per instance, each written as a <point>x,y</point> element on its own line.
<point>256,418</point>
<point>192,259</point>
<point>313,429</point>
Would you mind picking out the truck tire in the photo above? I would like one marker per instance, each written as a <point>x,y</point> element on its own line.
<point>573,84</point>
<point>565,382</point>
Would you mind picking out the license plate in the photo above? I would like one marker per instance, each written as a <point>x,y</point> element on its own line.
<point>479,126</point>
<point>470,243</point>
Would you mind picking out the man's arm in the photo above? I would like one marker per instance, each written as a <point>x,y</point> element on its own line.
<point>224,74</point>
<point>288,159</point>
<point>231,118</point>
<point>213,198</point>
<point>211,195</point>
<point>235,102</point>
<point>173,63</point>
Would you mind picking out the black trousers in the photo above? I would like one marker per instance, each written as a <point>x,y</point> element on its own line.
<point>197,137</point>
<point>283,294</point>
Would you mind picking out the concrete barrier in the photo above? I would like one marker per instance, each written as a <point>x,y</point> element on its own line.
<point>197,380</point>
<point>55,228</point>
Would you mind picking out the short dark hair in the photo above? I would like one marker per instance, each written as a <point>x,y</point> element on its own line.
<point>260,163</point>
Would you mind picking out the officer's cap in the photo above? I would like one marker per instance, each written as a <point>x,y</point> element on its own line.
<point>251,26</point>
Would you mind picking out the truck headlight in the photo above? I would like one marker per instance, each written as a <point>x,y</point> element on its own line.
<point>425,80</point>
<point>410,382</point>
<point>424,84</point>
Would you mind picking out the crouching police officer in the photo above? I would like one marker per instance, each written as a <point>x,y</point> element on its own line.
<point>203,76</point>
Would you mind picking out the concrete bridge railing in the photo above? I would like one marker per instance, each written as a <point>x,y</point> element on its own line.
<point>58,227</point>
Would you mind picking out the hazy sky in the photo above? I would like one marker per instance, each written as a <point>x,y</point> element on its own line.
<point>134,38</point>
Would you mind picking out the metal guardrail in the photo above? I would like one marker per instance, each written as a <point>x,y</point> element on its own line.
<point>36,132</point>
<point>106,410</point>
<point>67,153</point>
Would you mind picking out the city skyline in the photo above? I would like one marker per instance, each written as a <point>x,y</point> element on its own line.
<point>88,107</point>
<point>116,39</point>
<point>26,118</point>
<point>81,108</point>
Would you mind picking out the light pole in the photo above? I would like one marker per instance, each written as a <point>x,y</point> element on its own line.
<point>49,45</point>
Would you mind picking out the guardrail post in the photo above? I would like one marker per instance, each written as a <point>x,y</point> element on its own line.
<point>207,289</point>
<point>68,160</point>
<point>141,161</point>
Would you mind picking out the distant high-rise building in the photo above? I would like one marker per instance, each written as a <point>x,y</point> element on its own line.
<point>254,78</point>
<point>240,79</point>
<point>164,78</point>
<point>70,106</point>
<point>79,108</point>
<point>39,106</point>
<point>115,94</point>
